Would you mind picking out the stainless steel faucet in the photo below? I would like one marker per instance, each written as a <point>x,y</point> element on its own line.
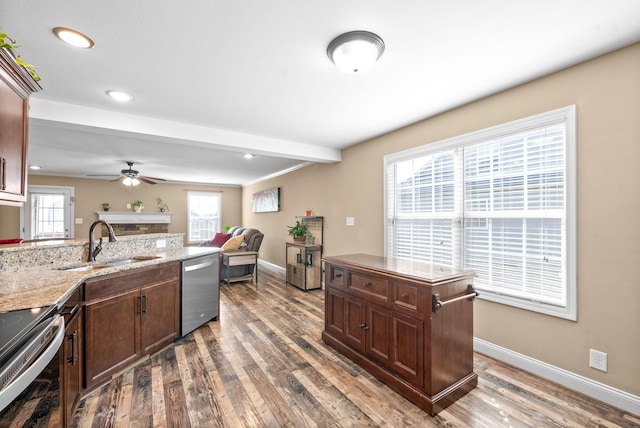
<point>94,249</point>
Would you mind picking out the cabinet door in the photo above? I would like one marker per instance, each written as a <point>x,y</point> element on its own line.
<point>13,150</point>
<point>71,367</point>
<point>355,327</point>
<point>397,342</point>
<point>344,318</point>
<point>159,315</point>
<point>112,336</point>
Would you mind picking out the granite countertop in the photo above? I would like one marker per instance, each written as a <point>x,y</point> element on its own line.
<point>49,285</point>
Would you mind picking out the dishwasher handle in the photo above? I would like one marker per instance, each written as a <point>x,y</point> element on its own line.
<point>189,268</point>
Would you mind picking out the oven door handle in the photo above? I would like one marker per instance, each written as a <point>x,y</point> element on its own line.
<point>24,379</point>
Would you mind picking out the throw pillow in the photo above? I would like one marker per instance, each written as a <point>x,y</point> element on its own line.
<point>233,243</point>
<point>219,239</point>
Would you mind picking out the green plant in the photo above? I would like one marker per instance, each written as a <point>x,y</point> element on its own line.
<point>138,203</point>
<point>300,229</point>
<point>8,43</point>
<point>106,206</point>
<point>162,205</point>
<point>227,227</point>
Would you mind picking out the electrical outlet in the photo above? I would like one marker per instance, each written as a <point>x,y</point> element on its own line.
<point>351,221</point>
<point>598,360</point>
<point>161,243</point>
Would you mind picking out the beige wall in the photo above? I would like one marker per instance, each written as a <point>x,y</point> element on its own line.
<point>606,92</point>
<point>90,194</point>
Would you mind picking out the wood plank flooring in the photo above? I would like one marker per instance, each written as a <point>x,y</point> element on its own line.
<point>263,364</point>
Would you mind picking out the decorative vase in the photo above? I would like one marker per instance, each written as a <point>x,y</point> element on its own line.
<point>138,208</point>
<point>310,240</point>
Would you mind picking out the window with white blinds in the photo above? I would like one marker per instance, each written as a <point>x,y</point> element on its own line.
<point>500,202</point>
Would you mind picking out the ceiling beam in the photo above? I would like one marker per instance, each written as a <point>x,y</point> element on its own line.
<point>71,116</point>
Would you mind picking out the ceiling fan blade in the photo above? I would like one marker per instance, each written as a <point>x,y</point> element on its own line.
<point>152,178</point>
<point>146,180</point>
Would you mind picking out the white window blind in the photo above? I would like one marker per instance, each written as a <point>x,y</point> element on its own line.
<point>500,202</point>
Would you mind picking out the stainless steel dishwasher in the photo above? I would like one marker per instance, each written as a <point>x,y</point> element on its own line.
<point>200,291</point>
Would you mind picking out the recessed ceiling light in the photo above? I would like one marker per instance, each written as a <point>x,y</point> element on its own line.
<point>248,156</point>
<point>119,95</point>
<point>34,167</point>
<point>73,37</point>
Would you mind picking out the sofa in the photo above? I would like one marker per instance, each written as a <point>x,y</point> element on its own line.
<point>251,241</point>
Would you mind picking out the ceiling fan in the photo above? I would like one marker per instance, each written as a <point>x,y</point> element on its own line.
<point>131,177</point>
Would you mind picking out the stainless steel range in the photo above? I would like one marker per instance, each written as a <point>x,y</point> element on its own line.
<point>29,341</point>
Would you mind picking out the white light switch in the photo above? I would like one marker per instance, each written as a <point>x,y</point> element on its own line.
<point>78,220</point>
<point>128,206</point>
<point>351,221</point>
<point>161,243</point>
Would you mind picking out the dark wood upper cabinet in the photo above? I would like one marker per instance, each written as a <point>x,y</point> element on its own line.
<point>16,85</point>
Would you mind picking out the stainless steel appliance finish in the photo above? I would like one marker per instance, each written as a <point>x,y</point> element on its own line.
<point>27,357</point>
<point>200,291</point>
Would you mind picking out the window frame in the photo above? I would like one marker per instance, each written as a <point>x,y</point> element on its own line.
<point>218,195</point>
<point>566,115</point>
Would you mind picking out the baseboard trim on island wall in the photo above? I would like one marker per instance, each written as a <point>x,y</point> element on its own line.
<point>600,391</point>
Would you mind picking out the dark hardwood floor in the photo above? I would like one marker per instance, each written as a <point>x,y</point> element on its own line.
<point>263,364</point>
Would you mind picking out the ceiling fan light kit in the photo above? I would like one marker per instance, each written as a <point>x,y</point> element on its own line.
<point>356,51</point>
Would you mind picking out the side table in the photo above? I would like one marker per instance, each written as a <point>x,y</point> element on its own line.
<point>239,258</point>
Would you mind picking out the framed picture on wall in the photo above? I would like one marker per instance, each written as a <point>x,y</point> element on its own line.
<point>266,201</point>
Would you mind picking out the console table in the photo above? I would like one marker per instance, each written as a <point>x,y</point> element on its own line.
<point>239,258</point>
<point>410,324</point>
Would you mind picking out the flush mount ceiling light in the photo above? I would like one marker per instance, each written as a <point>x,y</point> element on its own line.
<point>248,156</point>
<point>119,95</point>
<point>73,37</point>
<point>356,51</point>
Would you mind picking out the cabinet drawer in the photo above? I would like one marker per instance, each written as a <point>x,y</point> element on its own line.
<point>335,276</point>
<point>116,283</point>
<point>238,260</point>
<point>405,296</point>
<point>369,285</point>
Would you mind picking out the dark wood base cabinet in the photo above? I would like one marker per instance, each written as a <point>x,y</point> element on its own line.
<point>409,324</point>
<point>129,315</point>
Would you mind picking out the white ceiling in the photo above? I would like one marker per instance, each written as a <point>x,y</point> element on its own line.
<point>215,79</point>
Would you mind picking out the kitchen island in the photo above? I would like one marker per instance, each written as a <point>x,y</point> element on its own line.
<point>408,323</point>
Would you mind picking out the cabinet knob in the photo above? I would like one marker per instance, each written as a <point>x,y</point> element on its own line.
<point>366,284</point>
<point>338,275</point>
<point>404,295</point>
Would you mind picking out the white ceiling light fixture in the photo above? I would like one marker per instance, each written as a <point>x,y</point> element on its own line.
<point>119,95</point>
<point>356,51</point>
<point>73,37</point>
<point>130,181</point>
<point>248,156</point>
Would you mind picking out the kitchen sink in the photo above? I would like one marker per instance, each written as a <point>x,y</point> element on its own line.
<point>84,268</point>
<point>134,259</point>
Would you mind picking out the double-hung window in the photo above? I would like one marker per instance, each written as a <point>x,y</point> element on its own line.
<point>500,202</point>
<point>204,210</point>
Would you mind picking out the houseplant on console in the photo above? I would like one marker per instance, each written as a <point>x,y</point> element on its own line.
<point>298,232</point>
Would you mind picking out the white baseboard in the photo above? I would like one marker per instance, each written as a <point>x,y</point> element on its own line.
<point>268,265</point>
<point>615,397</point>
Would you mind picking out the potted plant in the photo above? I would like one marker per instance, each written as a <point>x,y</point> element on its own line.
<point>138,206</point>
<point>298,232</point>
<point>106,206</point>
<point>162,205</point>
<point>310,239</point>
